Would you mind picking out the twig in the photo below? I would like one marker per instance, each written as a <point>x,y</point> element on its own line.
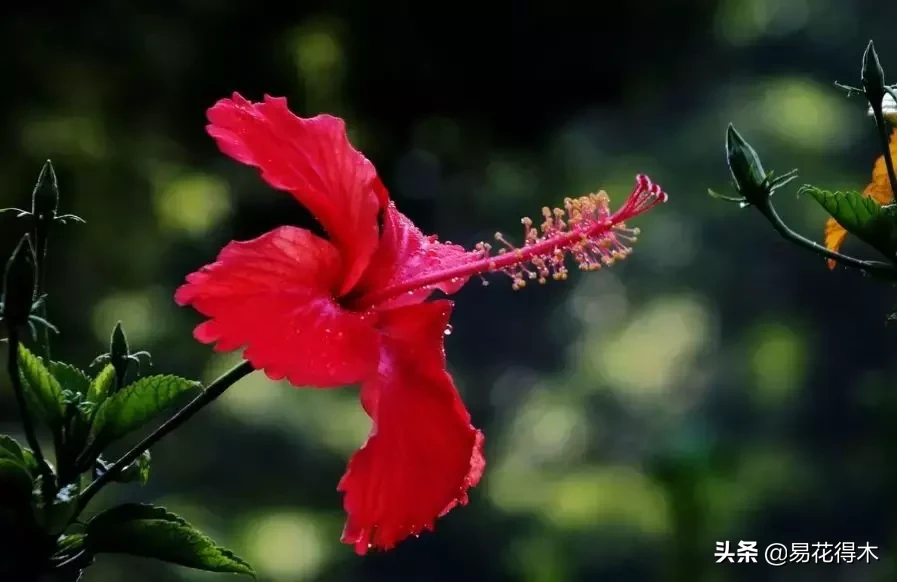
<point>213,391</point>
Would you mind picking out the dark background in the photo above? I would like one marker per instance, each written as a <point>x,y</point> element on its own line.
<point>718,385</point>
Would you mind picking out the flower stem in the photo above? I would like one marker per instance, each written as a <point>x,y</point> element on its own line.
<point>41,267</point>
<point>12,367</point>
<point>40,237</point>
<point>882,126</point>
<point>210,393</point>
<point>872,267</point>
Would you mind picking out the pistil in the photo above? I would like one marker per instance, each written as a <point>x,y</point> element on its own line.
<point>584,230</point>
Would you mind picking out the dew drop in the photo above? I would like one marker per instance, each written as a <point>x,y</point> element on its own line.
<point>448,329</point>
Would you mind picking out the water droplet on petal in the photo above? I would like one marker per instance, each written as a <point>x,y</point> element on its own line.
<point>448,330</point>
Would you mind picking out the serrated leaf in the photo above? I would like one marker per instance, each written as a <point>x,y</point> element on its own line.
<point>135,405</point>
<point>154,532</point>
<point>861,216</point>
<point>101,386</point>
<point>42,389</point>
<point>70,377</point>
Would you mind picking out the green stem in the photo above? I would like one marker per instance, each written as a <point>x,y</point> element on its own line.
<point>12,367</point>
<point>211,392</point>
<point>872,267</point>
<point>881,124</point>
<point>41,255</point>
<point>40,236</point>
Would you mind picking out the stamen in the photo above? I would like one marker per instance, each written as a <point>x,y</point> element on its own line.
<point>584,229</point>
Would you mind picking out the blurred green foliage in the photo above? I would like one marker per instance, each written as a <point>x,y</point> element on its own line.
<point>718,385</point>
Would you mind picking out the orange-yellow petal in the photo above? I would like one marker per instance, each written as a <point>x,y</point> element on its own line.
<point>880,187</point>
<point>834,238</point>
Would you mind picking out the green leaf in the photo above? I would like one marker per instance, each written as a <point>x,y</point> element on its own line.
<point>739,199</point>
<point>70,377</point>
<point>75,386</point>
<point>861,216</point>
<point>70,543</point>
<point>43,390</point>
<point>154,532</point>
<point>11,449</point>
<point>134,406</point>
<point>102,384</point>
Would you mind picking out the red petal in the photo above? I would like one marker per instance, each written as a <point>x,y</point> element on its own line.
<point>406,253</point>
<point>312,159</point>
<point>274,294</point>
<point>423,454</point>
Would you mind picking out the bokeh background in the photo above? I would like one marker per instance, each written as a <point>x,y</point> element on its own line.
<point>718,385</point>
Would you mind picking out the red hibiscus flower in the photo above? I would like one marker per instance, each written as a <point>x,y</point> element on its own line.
<point>352,308</point>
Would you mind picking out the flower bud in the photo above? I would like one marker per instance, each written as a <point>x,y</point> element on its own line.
<point>119,352</point>
<point>746,169</point>
<point>45,198</point>
<point>873,75</point>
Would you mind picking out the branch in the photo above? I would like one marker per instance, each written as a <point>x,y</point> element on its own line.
<point>213,391</point>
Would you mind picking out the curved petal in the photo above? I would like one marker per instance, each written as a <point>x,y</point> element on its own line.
<point>274,295</point>
<point>313,160</point>
<point>423,454</point>
<point>879,189</point>
<point>406,253</point>
<point>880,186</point>
<point>834,238</point>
